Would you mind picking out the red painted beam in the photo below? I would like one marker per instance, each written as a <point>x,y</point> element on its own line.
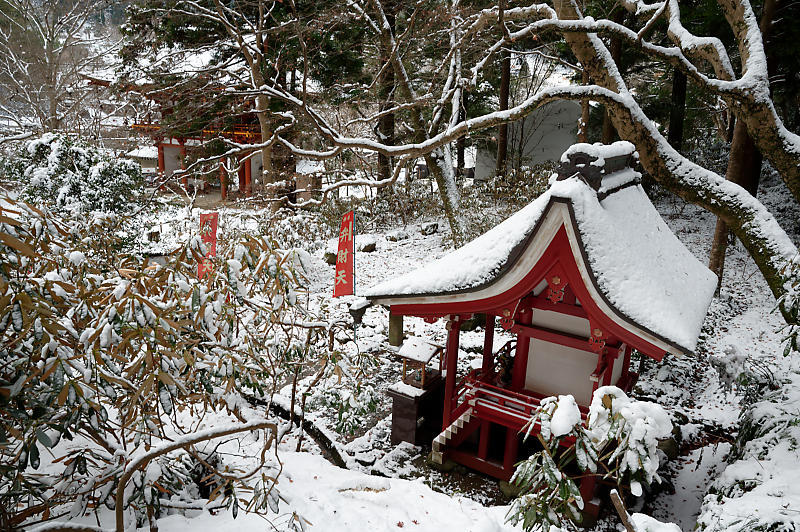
<point>555,337</point>
<point>542,303</point>
<point>484,466</point>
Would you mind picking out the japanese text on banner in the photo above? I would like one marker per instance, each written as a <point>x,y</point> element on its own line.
<point>208,233</point>
<point>344,278</point>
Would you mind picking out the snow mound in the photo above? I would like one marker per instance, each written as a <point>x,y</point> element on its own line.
<point>645,523</point>
<point>565,417</point>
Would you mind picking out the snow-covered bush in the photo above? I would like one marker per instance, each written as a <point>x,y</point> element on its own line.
<point>106,356</point>
<point>618,440</point>
<point>72,175</point>
<point>758,490</point>
<point>298,229</point>
<point>751,377</point>
<point>351,401</point>
<point>492,201</point>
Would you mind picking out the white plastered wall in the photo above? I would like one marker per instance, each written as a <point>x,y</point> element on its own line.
<point>172,159</point>
<point>555,369</point>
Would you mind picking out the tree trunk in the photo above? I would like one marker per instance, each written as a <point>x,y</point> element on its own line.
<point>440,163</point>
<point>461,143</point>
<point>609,134</point>
<point>744,169</point>
<point>502,129</point>
<point>677,112</point>
<point>583,134</point>
<point>386,123</point>
<point>744,165</point>
<point>780,146</point>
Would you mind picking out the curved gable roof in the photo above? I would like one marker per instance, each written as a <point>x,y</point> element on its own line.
<point>636,263</point>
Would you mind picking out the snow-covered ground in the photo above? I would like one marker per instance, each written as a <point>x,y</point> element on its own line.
<point>390,487</point>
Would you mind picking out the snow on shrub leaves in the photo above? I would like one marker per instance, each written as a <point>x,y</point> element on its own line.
<point>758,490</point>
<point>617,440</point>
<point>74,176</point>
<point>105,357</point>
<point>351,401</point>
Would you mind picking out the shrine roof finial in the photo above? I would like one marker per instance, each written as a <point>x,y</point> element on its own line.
<point>597,163</point>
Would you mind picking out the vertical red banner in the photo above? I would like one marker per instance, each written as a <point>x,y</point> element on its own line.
<point>208,233</point>
<point>344,281</point>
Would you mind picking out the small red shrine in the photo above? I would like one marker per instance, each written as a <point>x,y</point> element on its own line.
<point>581,277</point>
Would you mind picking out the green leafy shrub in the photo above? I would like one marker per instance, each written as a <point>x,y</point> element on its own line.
<point>618,440</point>
<point>69,174</point>
<point>102,352</point>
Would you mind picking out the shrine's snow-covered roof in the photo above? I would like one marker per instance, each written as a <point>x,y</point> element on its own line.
<point>419,349</point>
<point>637,263</point>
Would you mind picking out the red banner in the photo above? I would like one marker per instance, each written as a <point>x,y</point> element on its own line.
<point>344,282</point>
<point>208,232</point>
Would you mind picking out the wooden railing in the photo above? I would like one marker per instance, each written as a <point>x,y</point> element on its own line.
<point>506,407</point>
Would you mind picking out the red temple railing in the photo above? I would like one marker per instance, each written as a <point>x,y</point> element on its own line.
<point>510,408</point>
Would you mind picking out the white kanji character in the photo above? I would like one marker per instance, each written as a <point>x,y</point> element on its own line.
<point>347,232</point>
<point>340,277</point>
<point>341,256</point>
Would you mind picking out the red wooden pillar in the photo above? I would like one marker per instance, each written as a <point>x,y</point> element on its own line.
<point>488,348</point>
<point>587,488</point>
<point>611,359</point>
<point>518,374</point>
<point>184,179</point>
<point>510,451</point>
<point>248,175</point>
<point>626,362</point>
<point>223,181</point>
<point>162,170</point>
<point>521,356</point>
<point>483,442</point>
<point>486,375</point>
<point>451,365</point>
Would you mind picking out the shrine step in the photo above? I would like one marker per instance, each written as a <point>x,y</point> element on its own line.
<point>447,434</point>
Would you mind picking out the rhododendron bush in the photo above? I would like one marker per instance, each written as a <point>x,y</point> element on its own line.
<point>69,174</point>
<point>110,362</point>
<point>617,440</point>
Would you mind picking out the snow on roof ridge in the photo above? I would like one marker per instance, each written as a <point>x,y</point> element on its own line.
<point>638,264</point>
<point>600,150</point>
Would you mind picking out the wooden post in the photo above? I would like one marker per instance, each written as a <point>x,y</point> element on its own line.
<point>520,369</point>
<point>161,164</point>
<point>248,175</point>
<point>627,522</point>
<point>626,362</point>
<point>242,179</point>
<point>184,179</point>
<point>510,451</point>
<point>483,442</point>
<point>223,181</point>
<point>450,367</point>
<point>395,329</point>
<point>488,348</point>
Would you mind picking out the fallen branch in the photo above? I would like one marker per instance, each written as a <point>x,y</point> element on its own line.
<point>328,446</point>
<point>190,439</point>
